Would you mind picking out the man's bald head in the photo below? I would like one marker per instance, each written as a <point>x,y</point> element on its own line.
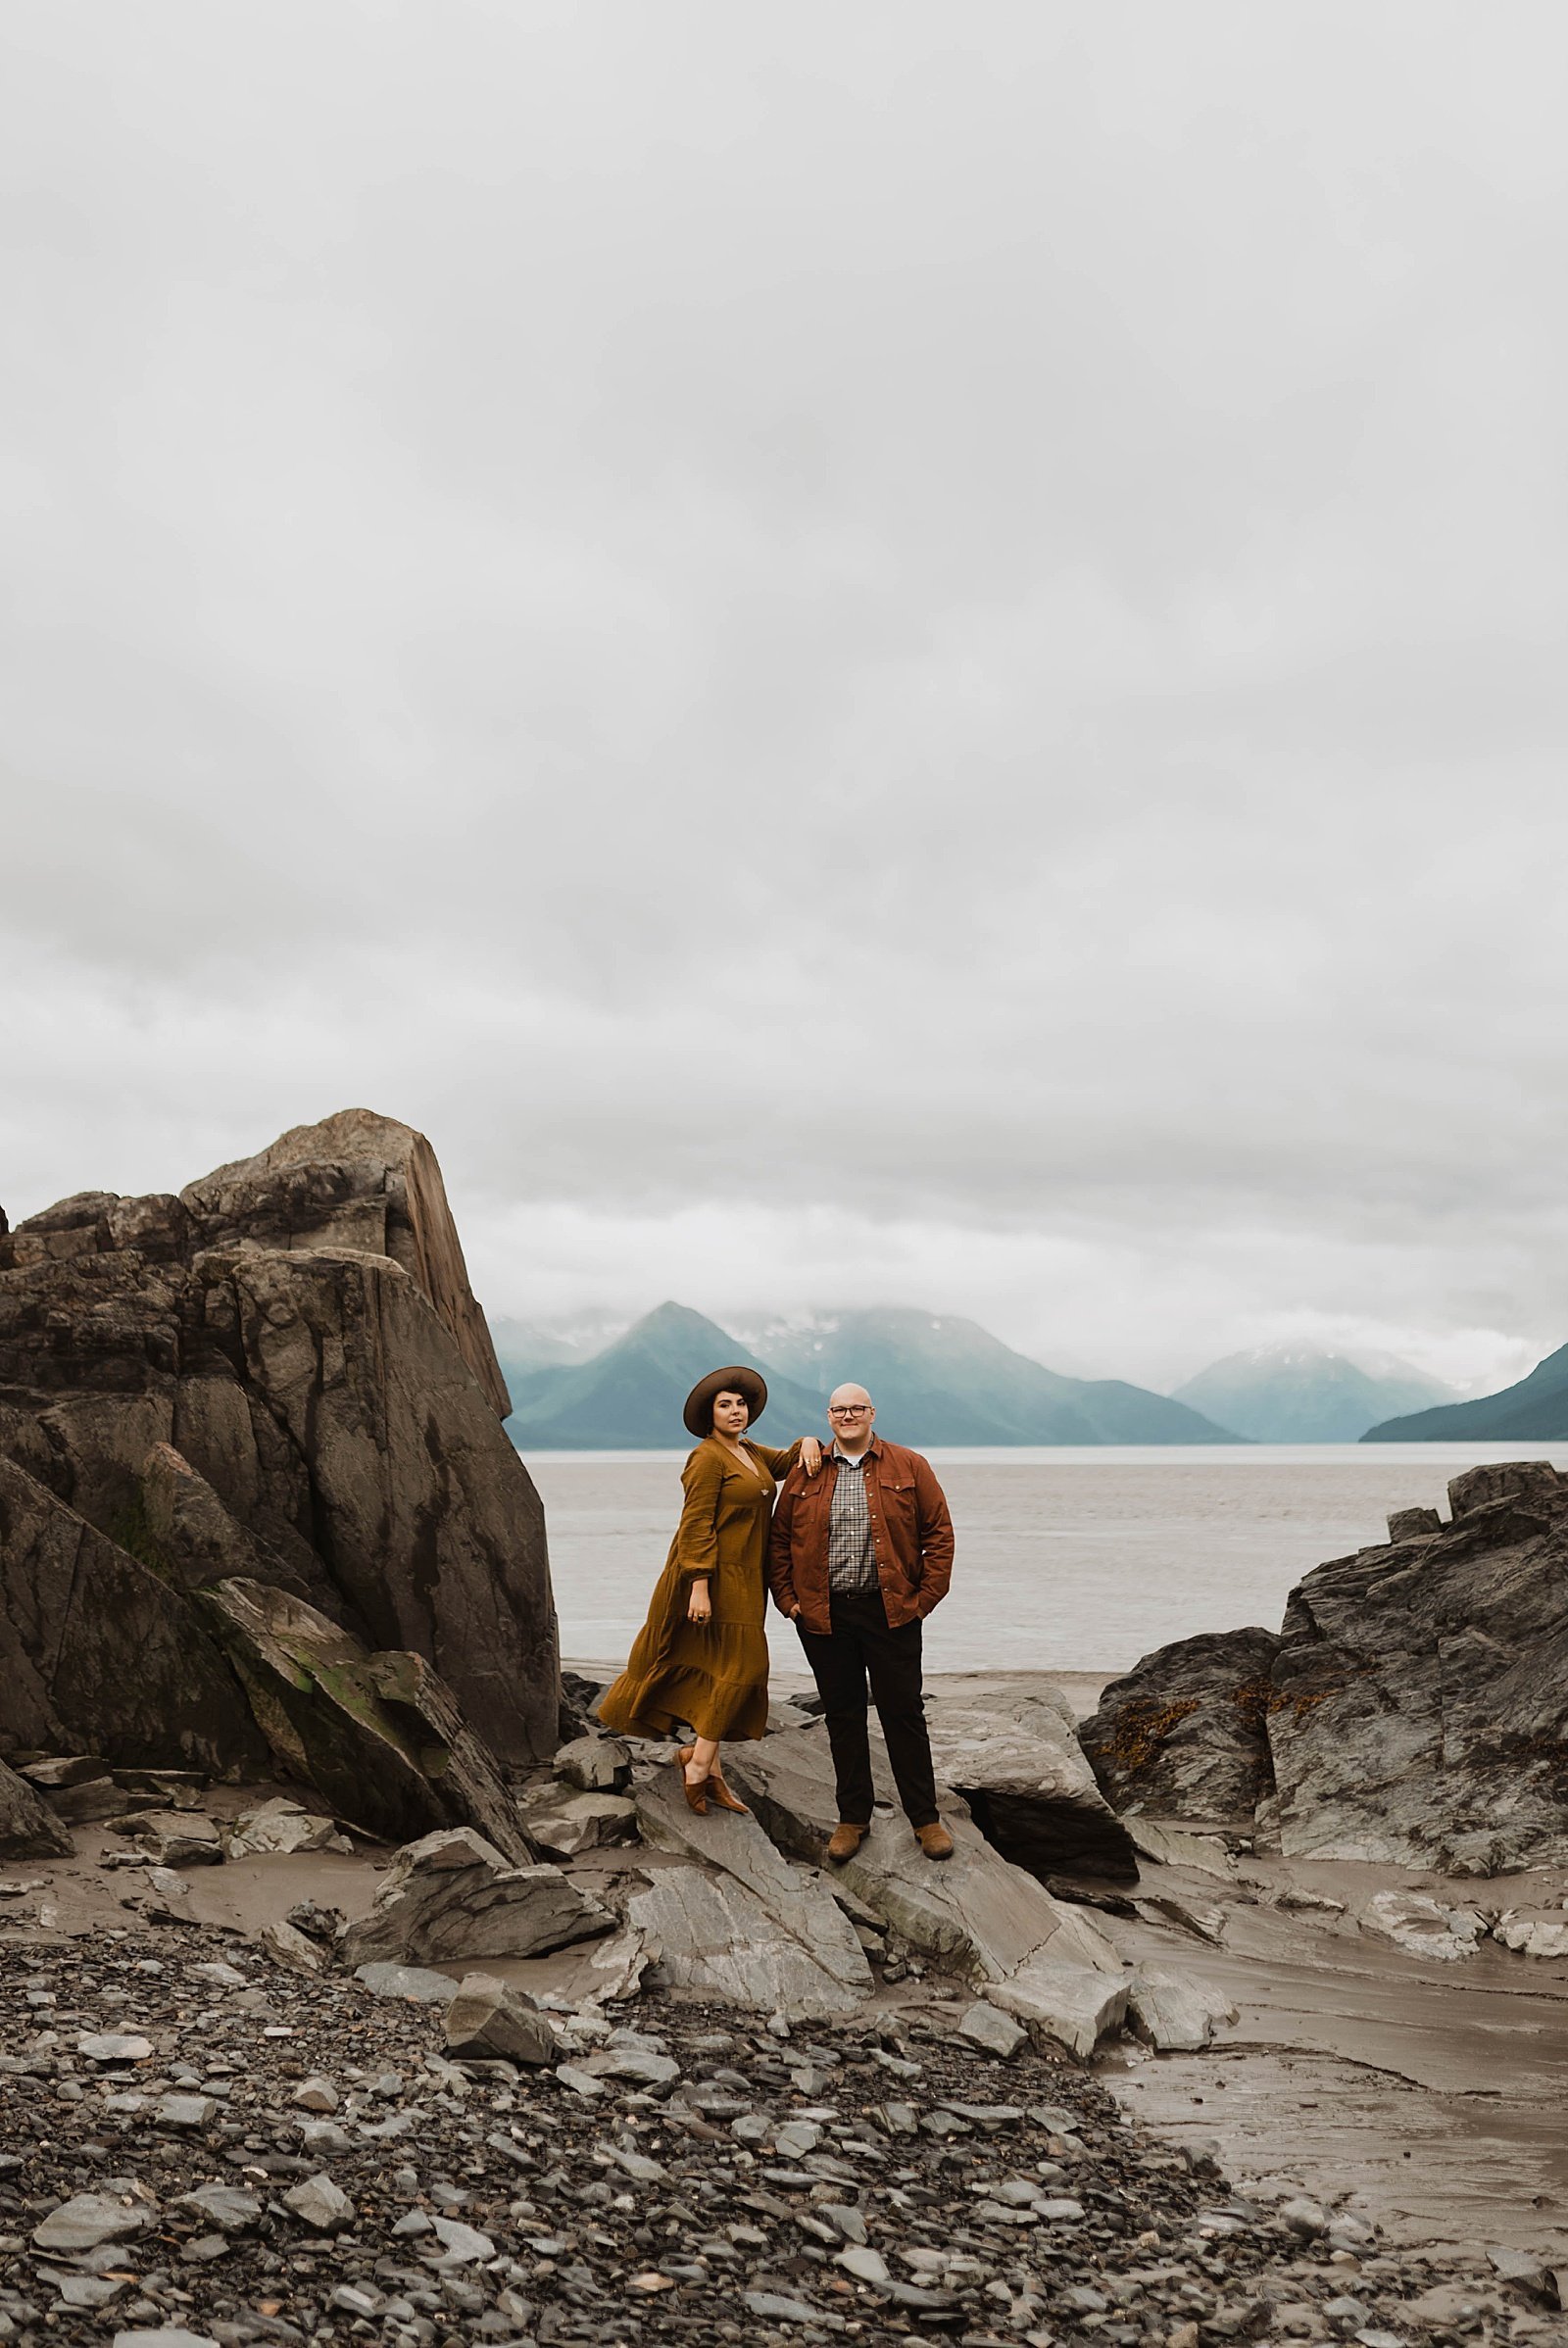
<point>852,1411</point>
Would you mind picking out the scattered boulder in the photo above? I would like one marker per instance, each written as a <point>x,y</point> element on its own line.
<point>1534,1932</point>
<point>987,2027</point>
<point>1413,1524</point>
<point>593,1764</point>
<point>29,1828</point>
<point>566,1825</point>
<point>291,1948</point>
<point>278,1826</point>
<point>176,1838</point>
<point>454,1896</point>
<point>1184,1732</point>
<point>1012,1753</point>
<point>1062,2003</point>
<point>488,2019</point>
<point>1174,2011</point>
<point>1424,1927</point>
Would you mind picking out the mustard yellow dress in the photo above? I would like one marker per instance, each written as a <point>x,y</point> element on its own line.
<point>713,1675</point>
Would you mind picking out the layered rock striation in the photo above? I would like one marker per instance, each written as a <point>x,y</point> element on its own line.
<point>1413,1710</point>
<point>276,1381</point>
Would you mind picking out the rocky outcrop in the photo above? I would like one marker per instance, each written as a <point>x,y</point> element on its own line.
<point>1183,1733</point>
<point>1012,1752</point>
<point>975,1915</point>
<point>1411,1712</point>
<point>281,1374</point>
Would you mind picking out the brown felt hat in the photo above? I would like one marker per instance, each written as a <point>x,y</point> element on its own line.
<point>699,1411</point>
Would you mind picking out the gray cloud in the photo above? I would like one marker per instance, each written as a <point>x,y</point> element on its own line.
<point>859,653</point>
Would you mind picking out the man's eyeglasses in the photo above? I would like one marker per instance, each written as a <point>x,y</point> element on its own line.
<point>848,1411</point>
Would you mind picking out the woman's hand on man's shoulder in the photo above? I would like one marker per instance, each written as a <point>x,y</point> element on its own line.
<point>810,1456</point>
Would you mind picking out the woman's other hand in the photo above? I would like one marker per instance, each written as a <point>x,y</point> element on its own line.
<point>810,1456</point>
<point>700,1607</point>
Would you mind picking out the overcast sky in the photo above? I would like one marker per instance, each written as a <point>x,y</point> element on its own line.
<point>873,652</point>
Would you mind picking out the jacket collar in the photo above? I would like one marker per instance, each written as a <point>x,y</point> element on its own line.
<point>874,1450</point>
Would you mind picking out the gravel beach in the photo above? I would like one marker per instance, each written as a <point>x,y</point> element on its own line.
<point>199,2142</point>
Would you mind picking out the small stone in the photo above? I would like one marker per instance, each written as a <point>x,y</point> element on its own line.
<point>88,2219</point>
<point>986,2025</point>
<point>461,2246</point>
<point>772,2307</point>
<point>226,2207</point>
<point>171,2337</point>
<point>353,2301</point>
<point>865,2265</point>
<point>320,2204</point>
<point>317,2095</point>
<point>185,2111</point>
<point>412,2221</point>
<point>220,1975</point>
<point>114,2046</point>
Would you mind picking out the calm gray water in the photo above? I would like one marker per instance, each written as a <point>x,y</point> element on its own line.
<point>1068,1560</point>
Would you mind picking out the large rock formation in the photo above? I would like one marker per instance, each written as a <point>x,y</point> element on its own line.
<point>1414,1709</point>
<point>1010,1749</point>
<point>279,1377</point>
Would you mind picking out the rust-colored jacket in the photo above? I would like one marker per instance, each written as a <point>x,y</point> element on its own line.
<point>911,1528</point>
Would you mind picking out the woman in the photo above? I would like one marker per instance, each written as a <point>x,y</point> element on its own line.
<point>702,1655</point>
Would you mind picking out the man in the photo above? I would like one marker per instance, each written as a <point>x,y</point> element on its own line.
<point>857,1558</point>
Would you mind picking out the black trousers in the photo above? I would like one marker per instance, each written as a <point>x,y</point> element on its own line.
<point>861,1647</point>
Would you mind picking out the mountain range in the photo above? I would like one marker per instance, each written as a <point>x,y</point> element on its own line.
<point>1289,1393</point>
<point>936,1380</point>
<point>1535,1410</point>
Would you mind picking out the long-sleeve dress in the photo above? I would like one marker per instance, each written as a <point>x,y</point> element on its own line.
<point>712,1676</point>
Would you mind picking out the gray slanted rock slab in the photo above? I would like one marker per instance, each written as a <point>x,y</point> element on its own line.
<point>715,1938</point>
<point>281,1826</point>
<point>291,1948</point>
<point>97,1651</point>
<point>454,1896</point>
<point>800,1906</point>
<point>1174,2011</point>
<point>377,1734</point>
<point>487,2018</point>
<point>1011,1750</point>
<point>1184,1732</point>
<point>320,2204</point>
<point>29,1828</point>
<point>976,1914</point>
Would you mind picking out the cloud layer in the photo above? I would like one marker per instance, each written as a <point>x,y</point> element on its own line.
<point>862,656</point>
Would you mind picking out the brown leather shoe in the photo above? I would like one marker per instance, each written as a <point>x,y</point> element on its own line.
<point>719,1795</point>
<point>844,1842</point>
<point>695,1795</point>
<point>935,1840</point>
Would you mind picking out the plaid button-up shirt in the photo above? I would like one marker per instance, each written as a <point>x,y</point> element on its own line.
<point>850,1552</point>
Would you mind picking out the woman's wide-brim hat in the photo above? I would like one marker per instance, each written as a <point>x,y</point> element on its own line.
<point>736,1380</point>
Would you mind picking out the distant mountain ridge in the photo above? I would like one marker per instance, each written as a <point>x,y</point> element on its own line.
<point>937,1380</point>
<point>1292,1394</point>
<point>1535,1410</point>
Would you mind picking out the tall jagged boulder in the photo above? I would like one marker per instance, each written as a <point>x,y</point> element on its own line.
<point>298,1327</point>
